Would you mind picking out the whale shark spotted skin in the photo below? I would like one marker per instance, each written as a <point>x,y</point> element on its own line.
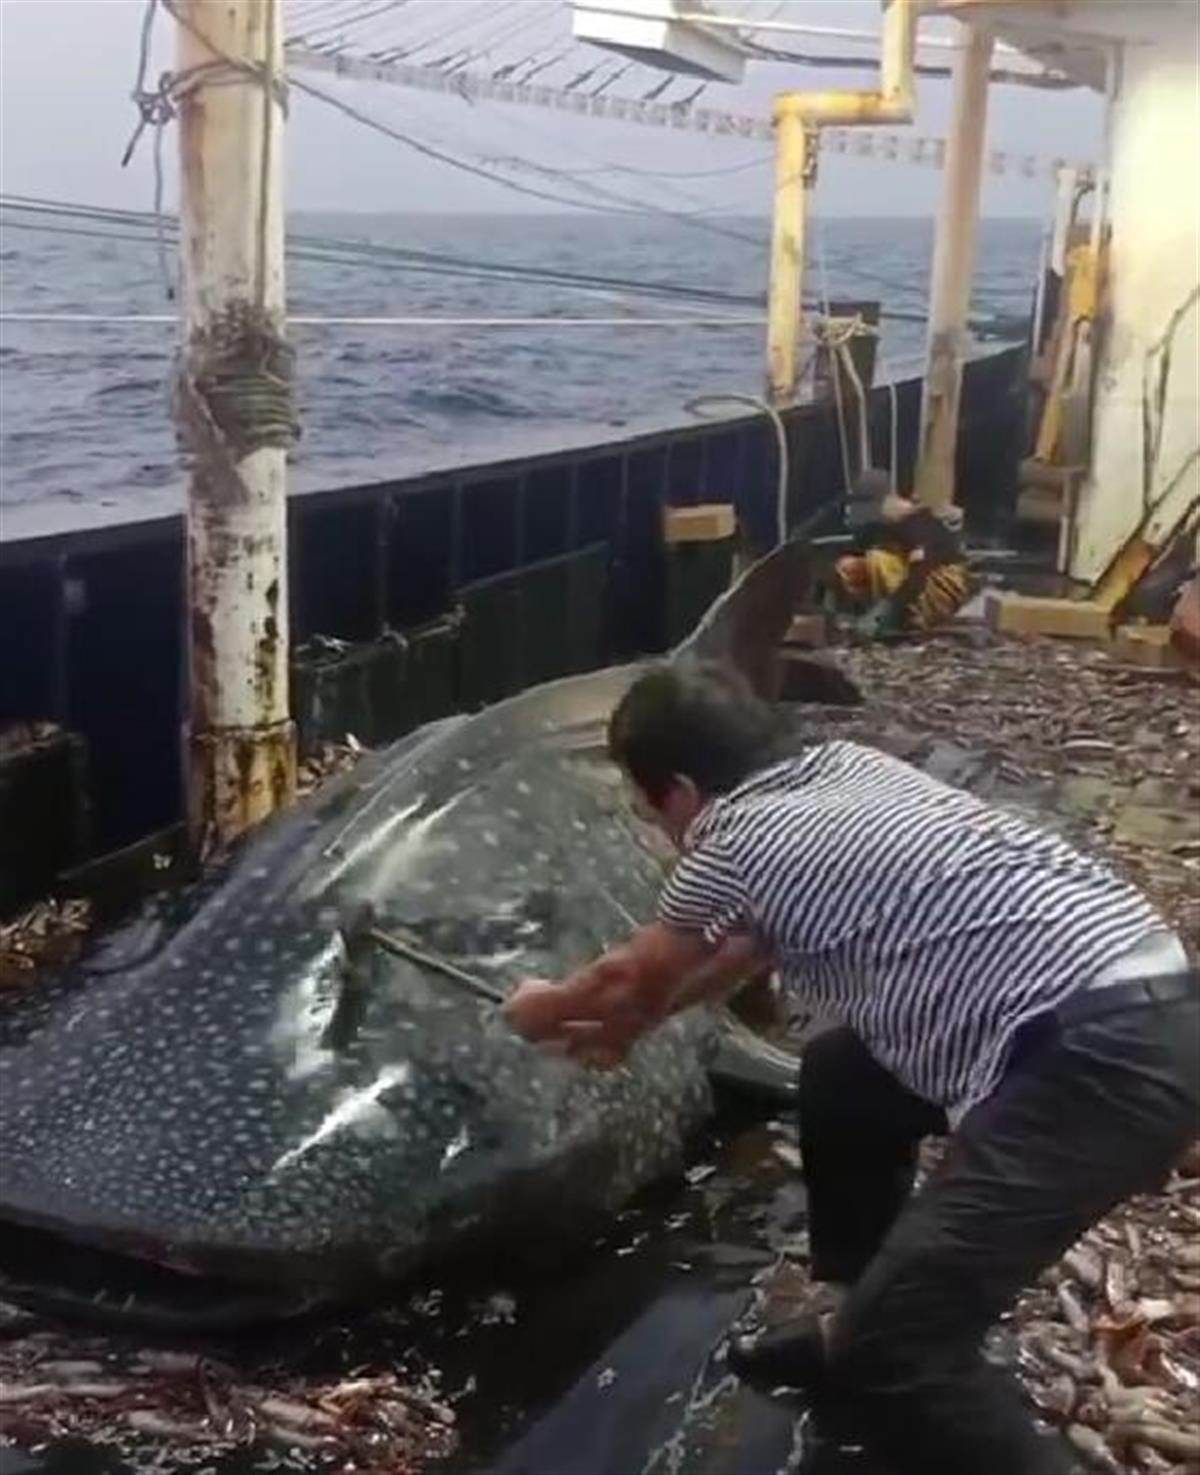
<point>263,1100</point>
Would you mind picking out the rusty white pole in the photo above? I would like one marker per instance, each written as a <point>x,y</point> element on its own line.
<point>234,409</point>
<point>953,268</point>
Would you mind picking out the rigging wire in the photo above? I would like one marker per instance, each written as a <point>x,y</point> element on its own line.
<point>541,66</point>
<point>722,170</point>
<point>333,18</point>
<point>493,42</point>
<point>441,32</point>
<point>697,218</point>
<point>835,367</point>
<point>300,12</point>
<point>1045,81</point>
<point>507,68</point>
<point>366,255</point>
<point>375,253</point>
<point>620,69</point>
<point>352,22</point>
<point>309,255</point>
<point>464,48</point>
<point>666,178</point>
<point>304,320</point>
<point>428,150</point>
<point>624,202</point>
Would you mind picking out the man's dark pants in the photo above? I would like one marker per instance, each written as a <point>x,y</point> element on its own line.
<point>1094,1109</point>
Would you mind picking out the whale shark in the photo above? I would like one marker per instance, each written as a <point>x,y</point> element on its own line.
<point>306,1083</point>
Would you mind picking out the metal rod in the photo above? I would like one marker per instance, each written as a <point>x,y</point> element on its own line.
<point>436,963</point>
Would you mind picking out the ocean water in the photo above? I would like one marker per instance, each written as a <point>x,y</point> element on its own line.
<point>86,405</point>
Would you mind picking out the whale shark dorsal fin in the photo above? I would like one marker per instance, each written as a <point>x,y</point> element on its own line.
<point>744,628</point>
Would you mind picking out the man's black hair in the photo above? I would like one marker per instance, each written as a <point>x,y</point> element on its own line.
<point>696,720</point>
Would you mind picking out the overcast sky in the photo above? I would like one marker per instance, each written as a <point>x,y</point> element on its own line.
<point>67,69</point>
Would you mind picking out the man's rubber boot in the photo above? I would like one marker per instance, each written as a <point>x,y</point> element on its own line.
<point>791,1355</point>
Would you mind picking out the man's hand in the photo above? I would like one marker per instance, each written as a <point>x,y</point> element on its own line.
<point>597,1030</point>
<point>533,1009</point>
<point>602,1009</point>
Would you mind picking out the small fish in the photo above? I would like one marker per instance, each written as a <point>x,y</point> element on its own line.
<point>1085,1265</point>
<point>17,1393</point>
<point>168,1364</point>
<point>292,1414</point>
<point>1187,1256</point>
<point>1177,1373</point>
<point>162,1426</point>
<point>101,1390</point>
<point>1092,1446</point>
<point>1116,1282</point>
<point>1177,1443</point>
<point>1076,1317</point>
<point>61,1371</point>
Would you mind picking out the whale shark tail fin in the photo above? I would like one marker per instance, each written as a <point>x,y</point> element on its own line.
<point>744,628</point>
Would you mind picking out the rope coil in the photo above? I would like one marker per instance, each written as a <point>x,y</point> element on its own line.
<point>240,376</point>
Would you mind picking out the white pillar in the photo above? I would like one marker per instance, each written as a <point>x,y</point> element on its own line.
<point>953,269</point>
<point>1145,463</point>
<point>234,408</point>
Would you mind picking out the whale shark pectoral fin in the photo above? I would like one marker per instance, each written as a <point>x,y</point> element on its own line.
<point>806,677</point>
<point>350,1003</point>
<point>745,626</point>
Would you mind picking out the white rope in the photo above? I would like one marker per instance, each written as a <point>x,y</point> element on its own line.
<point>836,334</point>
<point>894,419</point>
<point>837,378</point>
<point>137,319</point>
<point>840,411</point>
<point>846,359</point>
<point>712,402</point>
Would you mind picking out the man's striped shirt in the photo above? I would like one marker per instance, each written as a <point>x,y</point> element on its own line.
<point>931,923</point>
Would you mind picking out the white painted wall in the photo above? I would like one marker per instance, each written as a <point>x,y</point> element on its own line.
<point>1141,455</point>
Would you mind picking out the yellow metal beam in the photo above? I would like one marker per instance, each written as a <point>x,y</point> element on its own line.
<point>795,171</point>
<point>895,100</point>
<point>1085,266</point>
<point>798,118</point>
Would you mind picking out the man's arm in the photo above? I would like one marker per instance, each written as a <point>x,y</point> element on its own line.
<point>606,1006</point>
<point>729,968</point>
<point>702,909</point>
<point>634,983</point>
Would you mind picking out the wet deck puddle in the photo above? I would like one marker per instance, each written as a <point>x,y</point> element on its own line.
<point>611,1365</point>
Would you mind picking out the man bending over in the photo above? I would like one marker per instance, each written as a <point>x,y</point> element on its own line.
<point>990,982</point>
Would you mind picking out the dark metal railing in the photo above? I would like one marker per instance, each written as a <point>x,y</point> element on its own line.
<point>494,576</point>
